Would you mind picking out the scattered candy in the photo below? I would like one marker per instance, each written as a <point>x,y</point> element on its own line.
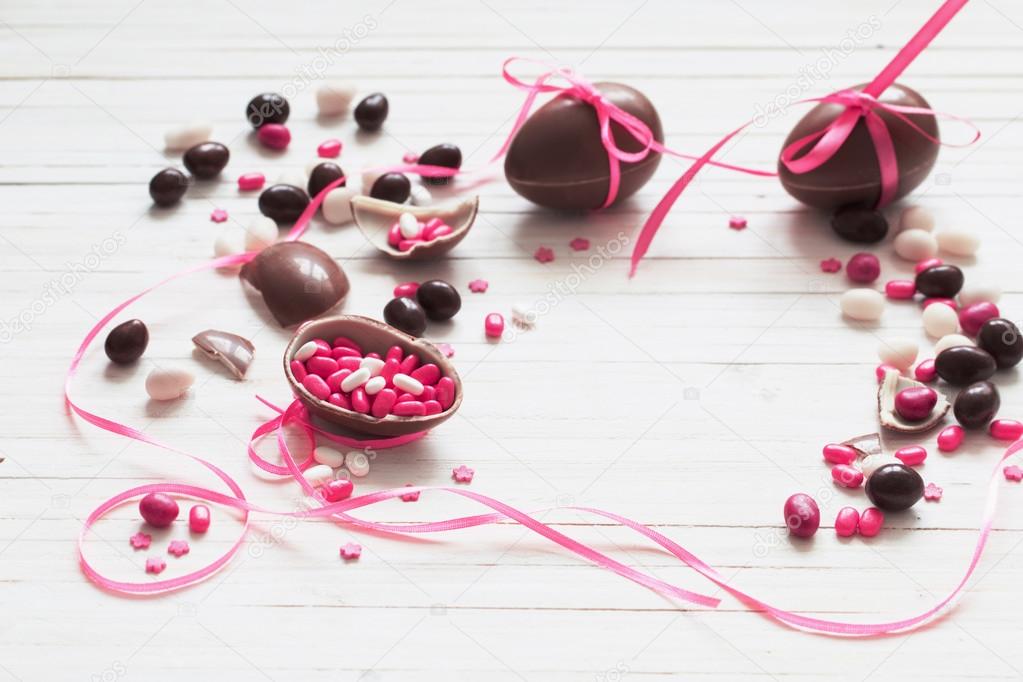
<point>933,492</point>
<point>329,149</point>
<point>462,474</point>
<point>927,263</point>
<point>925,371</point>
<point>831,265</point>
<point>1006,429</point>
<point>274,136</point>
<point>961,365</point>
<point>329,456</point>
<point>950,341</point>
<point>865,305</point>
<point>840,454</point>
<point>199,518</point>
<point>141,540</point>
<point>976,405</point>
<point>1013,473</point>
<point>544,255</point>
<point>847,476</point>
<point>267,107</point>
<point>900,289</point>
<point>974,315</point>
<point>337,205</point>
<point>158,509</point>
<point>579,244</point>
<point>940,281</point>
<point>318,474</point>
<point>737,222</point>
<point>846,521</point>
<point>357,463</point>
<point>940,320</point>
<point>915,244</point>
<point>407,289</point>
<point>950,438</point>
<point>405,314</point>
<point>871,463</point>
<point>950,302</point>
<point>1002,339</point>
<point>916,218</point>
<point>438,299</point>
<point>911,455</point>
<point>167,187</point>
<point>178,548</point>
<point>871,521</point>
<point>337,490</point>
<point>334,98</point>
<point>350,551</point>
<point>478,286</point>
<point>411,496</point>
<point>206,160</point>
<point>977,292</point>
<point>391,187</point>
<point>802,515</point>
<point>895,487</point>
<point>444,155</point>
<point>493,325</point>
<point>127,342</point>
<point>155,565</point>
<point>898,352</point>
<point>958,241</point>
<point>863,268</point>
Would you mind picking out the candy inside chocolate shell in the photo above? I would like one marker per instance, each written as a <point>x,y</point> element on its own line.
<point>894,382</point>
<point>374,217</point>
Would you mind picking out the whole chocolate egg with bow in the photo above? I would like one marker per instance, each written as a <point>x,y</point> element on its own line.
<point>561,158</point>
<point>888,151</point>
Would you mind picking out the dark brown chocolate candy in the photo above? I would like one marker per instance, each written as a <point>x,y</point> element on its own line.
<point>557,158</point>
<point>371,112</point>
<point>1001,338</point>
<point>324,174</point>
<point>445,155</point>
<point>439,300</point>
<point>206,159</point>
<point>961,365</point>
<point>394,187</point>
<point>283,203</point>
<point>940,281</point>
<point>127,342</point>
<point>232,351</point>
<point>268,107</point>
<point>895,487</point>
<point>977,404</point>
<point>852,175</point>
<point>860,225</point>
<point>405,314</point>
<point>297,280</point>
<point>168,186</point>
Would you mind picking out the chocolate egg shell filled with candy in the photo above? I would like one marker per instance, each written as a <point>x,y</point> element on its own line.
<point>852,175</point>
<point>297,281</point>
<point>557,158</point>
<point>370,335</point>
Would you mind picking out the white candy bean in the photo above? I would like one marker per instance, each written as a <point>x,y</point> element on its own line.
<point>375,385</point>
<point>181,138</point>
<point>915,245</point>
<point>978,293</point>
<point>329,456</point>
<point>261,233</point>
<point>306,351</point>
<point>355,379</point>
<point>950,340</point>
<point>940,320</point>
<point>408,384</point>
<point>862,304</point>
<point>357,463</point>
<point>229,242</point>
<point>899,352</point>
<point>168,383</point>
<point>958,242</point>
<point>334,98</point>
<point>374,365</point>
<point>523,314</point>
<point>408,225</point>
<point>916,218</point>
<point>337,205</point>
<point>421,196</point>
<point>318,474</point>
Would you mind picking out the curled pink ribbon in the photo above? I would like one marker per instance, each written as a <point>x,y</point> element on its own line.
<point>825,143</point>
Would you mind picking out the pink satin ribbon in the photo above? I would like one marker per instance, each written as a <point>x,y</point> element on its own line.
<point>825,143</point>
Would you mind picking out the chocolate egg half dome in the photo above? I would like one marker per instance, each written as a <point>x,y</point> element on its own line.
<point>297,281</point>
<point>852,175</point>
<point>557,158</point>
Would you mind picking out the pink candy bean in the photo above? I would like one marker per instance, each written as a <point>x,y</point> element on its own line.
<point>329,149</point>
<point>837,453</point>
<point>802,515</point>
<point>374,355</point>
<point>340,400</point>
<point>405,397</point>
<point>407,244</point>
<point>430,234</point>
<point>345,352</point>
<point>863,267</point>
<point>383,402</point>
<point>395,353</point>
<point>409,408</point>
<point>323,348</point>
<point>251,181</point>
<point>335,379</point>
<point>298,369</point>
<point>345,342</point>
<point>315,384</point>
<point>432,407</point>
<point>1006,429</point>
<point>950,438</point>
<point>846,521</point>
<point>350,362</point>
<point>409,364</point>
<point>158,509</point>
<point>199,518</point>
<point>493,325</point>
<point>928,263</point>
<point>429,393</point>
<point>360,401</point>
<point>274,136</point>
<point>321,366</point>
<point>974,315</point>
<point>406,289</point>
<point>446,392</point>
<point>900,289</point>
<point>883,369</point>
<point>394,235</point>
<point>433,223</point>
<point>390,368</point>
<point>925,371</point>
<point>915,404</point>
<point>847,476</point>
<point>337,490</point>
<point>427,374</point>
<point>911,455</point>
<point>871,521</point>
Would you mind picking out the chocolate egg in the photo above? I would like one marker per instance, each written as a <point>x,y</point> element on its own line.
<point>1001,338</point>
<point>283,203</point>
<point>371,112</point>
<point>977,404</point>
<point>127,342</point>
<point>324,174</point>
<point>297,280</point>
<point>206,159</point>
<point>268,107</point>
<point>895,487</point>
<point>438,299</point>
<point>557,158</point>
<point>961,365</point>
<point>167,187</point>
<point>446,155</point>
<point>405,314</point>
<point>393,187</point>
<point>852,175</point>
<point>940,281</point>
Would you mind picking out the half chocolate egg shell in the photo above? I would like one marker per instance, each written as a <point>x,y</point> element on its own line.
<point>374,217</point>
<point>372,335</point>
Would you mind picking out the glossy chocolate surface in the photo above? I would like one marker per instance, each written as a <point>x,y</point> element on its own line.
<point>961,365</point>
<point>297,281</point>
<point>127,342</point>
<point>895,487</point>
<point>268,107</point>
<point>1001,338</point>
<point>393,187</point>
<point>438,299</point>
<point>206,159</point>
<point>976,405</point>
<point>168,186</point>
<point>232,351</point>
<point>859,225</point>
<point>557,158</point>
<point>283,203</point>
<point>324,174</point>
<point>405,314</point>
<point>940,281</point>
<point>372,111</point>
<point>852,175</point>
<point>446,155</point>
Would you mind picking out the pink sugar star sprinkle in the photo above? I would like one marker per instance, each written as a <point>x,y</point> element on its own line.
<point>462,474</point>
<point>544,255</point>
<point>140,540</point>
<point>155,564</point>
<point>933,492</point>
<point>447,349</point>
<point>410,497</point>
<point>579,244</point>
<point>219,215</point>
<point>1013,473</point>
<point>737,222</point>
<point>178,548</point>
<point>478,286</point>
<point>831,265</point>
<point>351,550</point>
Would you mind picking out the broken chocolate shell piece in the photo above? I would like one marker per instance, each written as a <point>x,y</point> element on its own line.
<point>867,444</point>
<point>232,351</point>
<point>374,217</point>
<point>894,382</point>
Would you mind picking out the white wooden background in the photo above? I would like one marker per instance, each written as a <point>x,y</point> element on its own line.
<point>695,397</point>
